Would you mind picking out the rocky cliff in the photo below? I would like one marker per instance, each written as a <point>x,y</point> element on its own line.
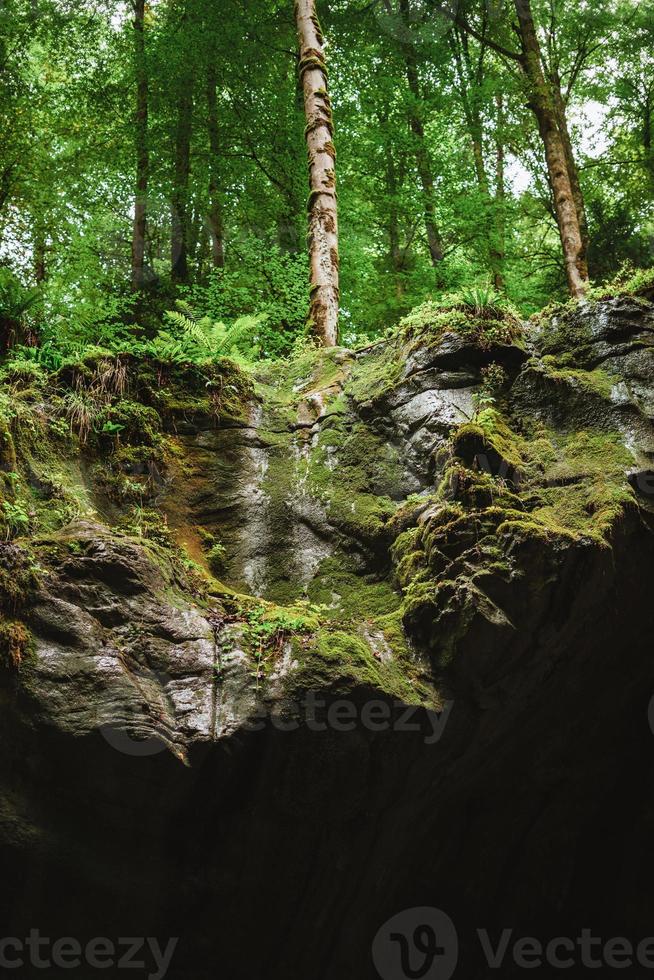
<point>285,652</point>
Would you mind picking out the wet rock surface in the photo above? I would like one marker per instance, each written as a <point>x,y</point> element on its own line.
<point>165,773</point>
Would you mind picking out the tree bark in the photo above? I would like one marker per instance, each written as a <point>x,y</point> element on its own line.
<point>543,104</point>
<point>216,227</point>
<point>423,162</point>
<point>40,252</point>
<point>500,192</point>
<point>6,179</point>
<point>142,150</point>
<point>323,211</point>
<point>395,252</point>
<point>179,200</point>
<point>648,110</point>
<point>573,171</point>
<point>470,82</point>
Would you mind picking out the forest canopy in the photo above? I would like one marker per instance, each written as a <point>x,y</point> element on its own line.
<point>155,186</point>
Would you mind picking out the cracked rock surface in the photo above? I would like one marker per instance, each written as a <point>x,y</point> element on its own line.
<point>365,528</point>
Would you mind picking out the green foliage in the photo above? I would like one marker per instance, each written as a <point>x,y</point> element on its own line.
<point>216,558</point>
<point>22,373</point>
<point>67,169</point>
<point>262,282</point>
<point>202,338</point>
<point>16,300</point>
<point>46,355</point>
<point>484,302</point>
<point>82,412</point>
<point>16,519</point>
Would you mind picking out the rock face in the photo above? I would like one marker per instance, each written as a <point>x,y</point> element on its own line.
<point>373,637</point>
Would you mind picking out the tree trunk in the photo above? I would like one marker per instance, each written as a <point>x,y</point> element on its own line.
<point>543,104</point>
<point>470,82</point>
<point>647,109</point>
<point>323,214</point>
<point>395,252</point>
<point>291,237</point>
<point>500,193</point>
<point>179,201</point>
<point>573,171</point>
<point>40,253</point>
<point>392,215</point>
<point>6,179</point>
<point>216,227</point>
<point>142,152</point>
<point>423,162</point>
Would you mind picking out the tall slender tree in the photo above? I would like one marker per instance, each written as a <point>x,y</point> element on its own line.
<point>142,149</point>
<point>179,239</point>
<point>323,212</point>
<point>417,126</point>
<point>546,101</point>
<point>470,72</point>
<point>500,190</point>
<point>561,169</point>
<point>216,227</point>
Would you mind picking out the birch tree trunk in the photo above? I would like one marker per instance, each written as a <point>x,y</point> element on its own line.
<point>543,104</point>
<point>323,213</point>
<point>142,151</point>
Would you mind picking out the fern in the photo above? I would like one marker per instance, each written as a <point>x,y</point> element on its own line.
<point>206,339</point>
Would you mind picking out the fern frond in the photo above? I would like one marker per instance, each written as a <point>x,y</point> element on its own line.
<point>187,310</point>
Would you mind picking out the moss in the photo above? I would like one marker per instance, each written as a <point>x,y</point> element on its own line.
<point>131,421</point>
<point>560,328</point>
<point>348,594</point>
<point>374,375</point>
<point>482,327</point>
<point>15,642</point>
<point>23,376</point>
<point>145,522</point>
<point>583,510</point>
<point>458,563</point>
<point>597,382</point>
<point>216,558</point>
<point>7,448</point>
<point>638,283</point>
<point>20,575</point>
<point>340,661</point>
<point>476,489</point>
<point>355,475</point>
<point>489,443</point>
<point>358,515</point>
<point>314,373</point>
<point>139,460</point>
<point>585,491</point>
